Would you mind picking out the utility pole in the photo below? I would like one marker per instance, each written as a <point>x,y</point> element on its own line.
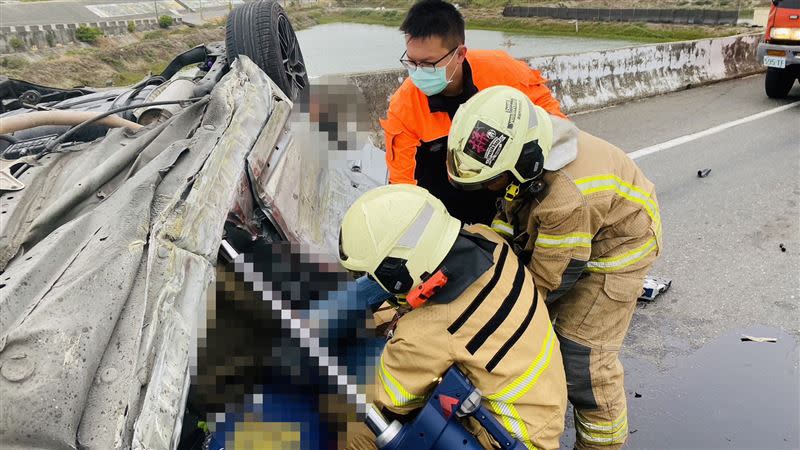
<point>155,8</point>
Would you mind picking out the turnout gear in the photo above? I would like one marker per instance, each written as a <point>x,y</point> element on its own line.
<point>589,238</point>
<point>398,235</point>
<point>499,334</point>
<point>489,319</point>
<point>416,128</point>
<point>598,213</point>
<point>591,321</point>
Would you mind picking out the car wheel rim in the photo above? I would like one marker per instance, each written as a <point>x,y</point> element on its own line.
<point>293,63</point>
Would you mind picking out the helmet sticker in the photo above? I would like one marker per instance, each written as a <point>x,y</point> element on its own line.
<point>512,108</point>
<point>485,143</point>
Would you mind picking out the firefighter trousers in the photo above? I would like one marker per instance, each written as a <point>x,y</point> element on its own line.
<point>591,321</point>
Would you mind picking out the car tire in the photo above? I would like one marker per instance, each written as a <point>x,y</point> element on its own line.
<point>778,82</point>
<point>261,30</point>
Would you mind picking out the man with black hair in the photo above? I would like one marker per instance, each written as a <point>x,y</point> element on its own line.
<point>443,74</point>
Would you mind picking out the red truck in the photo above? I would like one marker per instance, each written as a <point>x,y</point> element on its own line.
<point>780,51</point>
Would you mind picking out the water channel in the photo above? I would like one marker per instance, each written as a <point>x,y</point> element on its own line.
<point>349,47</point>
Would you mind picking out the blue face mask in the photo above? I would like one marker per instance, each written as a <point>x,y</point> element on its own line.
<point>431,83</point>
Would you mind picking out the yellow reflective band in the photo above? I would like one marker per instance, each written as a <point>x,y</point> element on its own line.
<point>502,228</point>
<point>602,433</point>
<point>502,402</point>
<point>512,422</point>
<point>618,262</point>
<point>590,185</point>
<point>614,426</point>
<point>527,380</point>
<point>399,395</point>
<point>564,240</point>
<point>602,439</point>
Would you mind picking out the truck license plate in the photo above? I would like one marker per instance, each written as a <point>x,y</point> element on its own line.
<point>778,62</point>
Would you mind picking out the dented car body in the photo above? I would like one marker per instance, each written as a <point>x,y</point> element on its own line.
<point>110,258</point>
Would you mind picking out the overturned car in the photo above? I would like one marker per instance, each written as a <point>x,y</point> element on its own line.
<point>164,278</point>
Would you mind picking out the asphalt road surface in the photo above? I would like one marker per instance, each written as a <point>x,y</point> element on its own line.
<point>14,13</point>
<point>692,383</point>
<point>43,13</point>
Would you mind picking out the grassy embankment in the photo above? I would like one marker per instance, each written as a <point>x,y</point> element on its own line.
<point>108,61</point>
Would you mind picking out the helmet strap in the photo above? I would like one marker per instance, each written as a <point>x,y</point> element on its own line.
<point>512,191</point>
<point>527,189</point>
<point>398,301</point>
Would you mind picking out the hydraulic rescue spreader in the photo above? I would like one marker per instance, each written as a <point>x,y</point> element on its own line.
<point>438,425</point>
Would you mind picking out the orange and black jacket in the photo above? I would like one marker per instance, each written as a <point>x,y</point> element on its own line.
<point>416,129</point>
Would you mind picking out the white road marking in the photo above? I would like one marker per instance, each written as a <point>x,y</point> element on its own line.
<point>701,134</point>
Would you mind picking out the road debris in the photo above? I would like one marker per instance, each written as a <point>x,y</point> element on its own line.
<point>746,338</point>
<point>782,247</point>
<point>637,395</point>
<point>702,173</point>
<point>653,287</point>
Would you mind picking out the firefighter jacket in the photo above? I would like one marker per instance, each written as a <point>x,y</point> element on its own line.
<point>597,213</point>
<point>492,323</point>
<point>416,129</point>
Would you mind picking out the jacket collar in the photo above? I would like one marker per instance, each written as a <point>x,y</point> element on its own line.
<point>564,149</point>
<point>470,257</point>
<point>439,102</point>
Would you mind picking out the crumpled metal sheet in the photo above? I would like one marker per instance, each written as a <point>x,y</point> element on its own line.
<point>7,180</point>
<point>107,256</point>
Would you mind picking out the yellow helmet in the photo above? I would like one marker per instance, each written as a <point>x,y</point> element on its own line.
<point>398,234</point>
<point>499,130</point>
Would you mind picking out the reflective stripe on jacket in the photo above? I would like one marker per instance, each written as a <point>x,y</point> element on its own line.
<point>598,213</point>
<point>499,333</point>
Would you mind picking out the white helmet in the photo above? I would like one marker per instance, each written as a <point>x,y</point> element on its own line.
<point>399,234</point>
<point>497,131</point>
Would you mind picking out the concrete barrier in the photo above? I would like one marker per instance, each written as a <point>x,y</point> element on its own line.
<point>28,37</point>
<point>698,16</point>
<point>592,80</point>
<point>596,79</point>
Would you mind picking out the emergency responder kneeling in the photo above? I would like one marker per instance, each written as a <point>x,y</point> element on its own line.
<point>584,218</point>
<point>465,300</point>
